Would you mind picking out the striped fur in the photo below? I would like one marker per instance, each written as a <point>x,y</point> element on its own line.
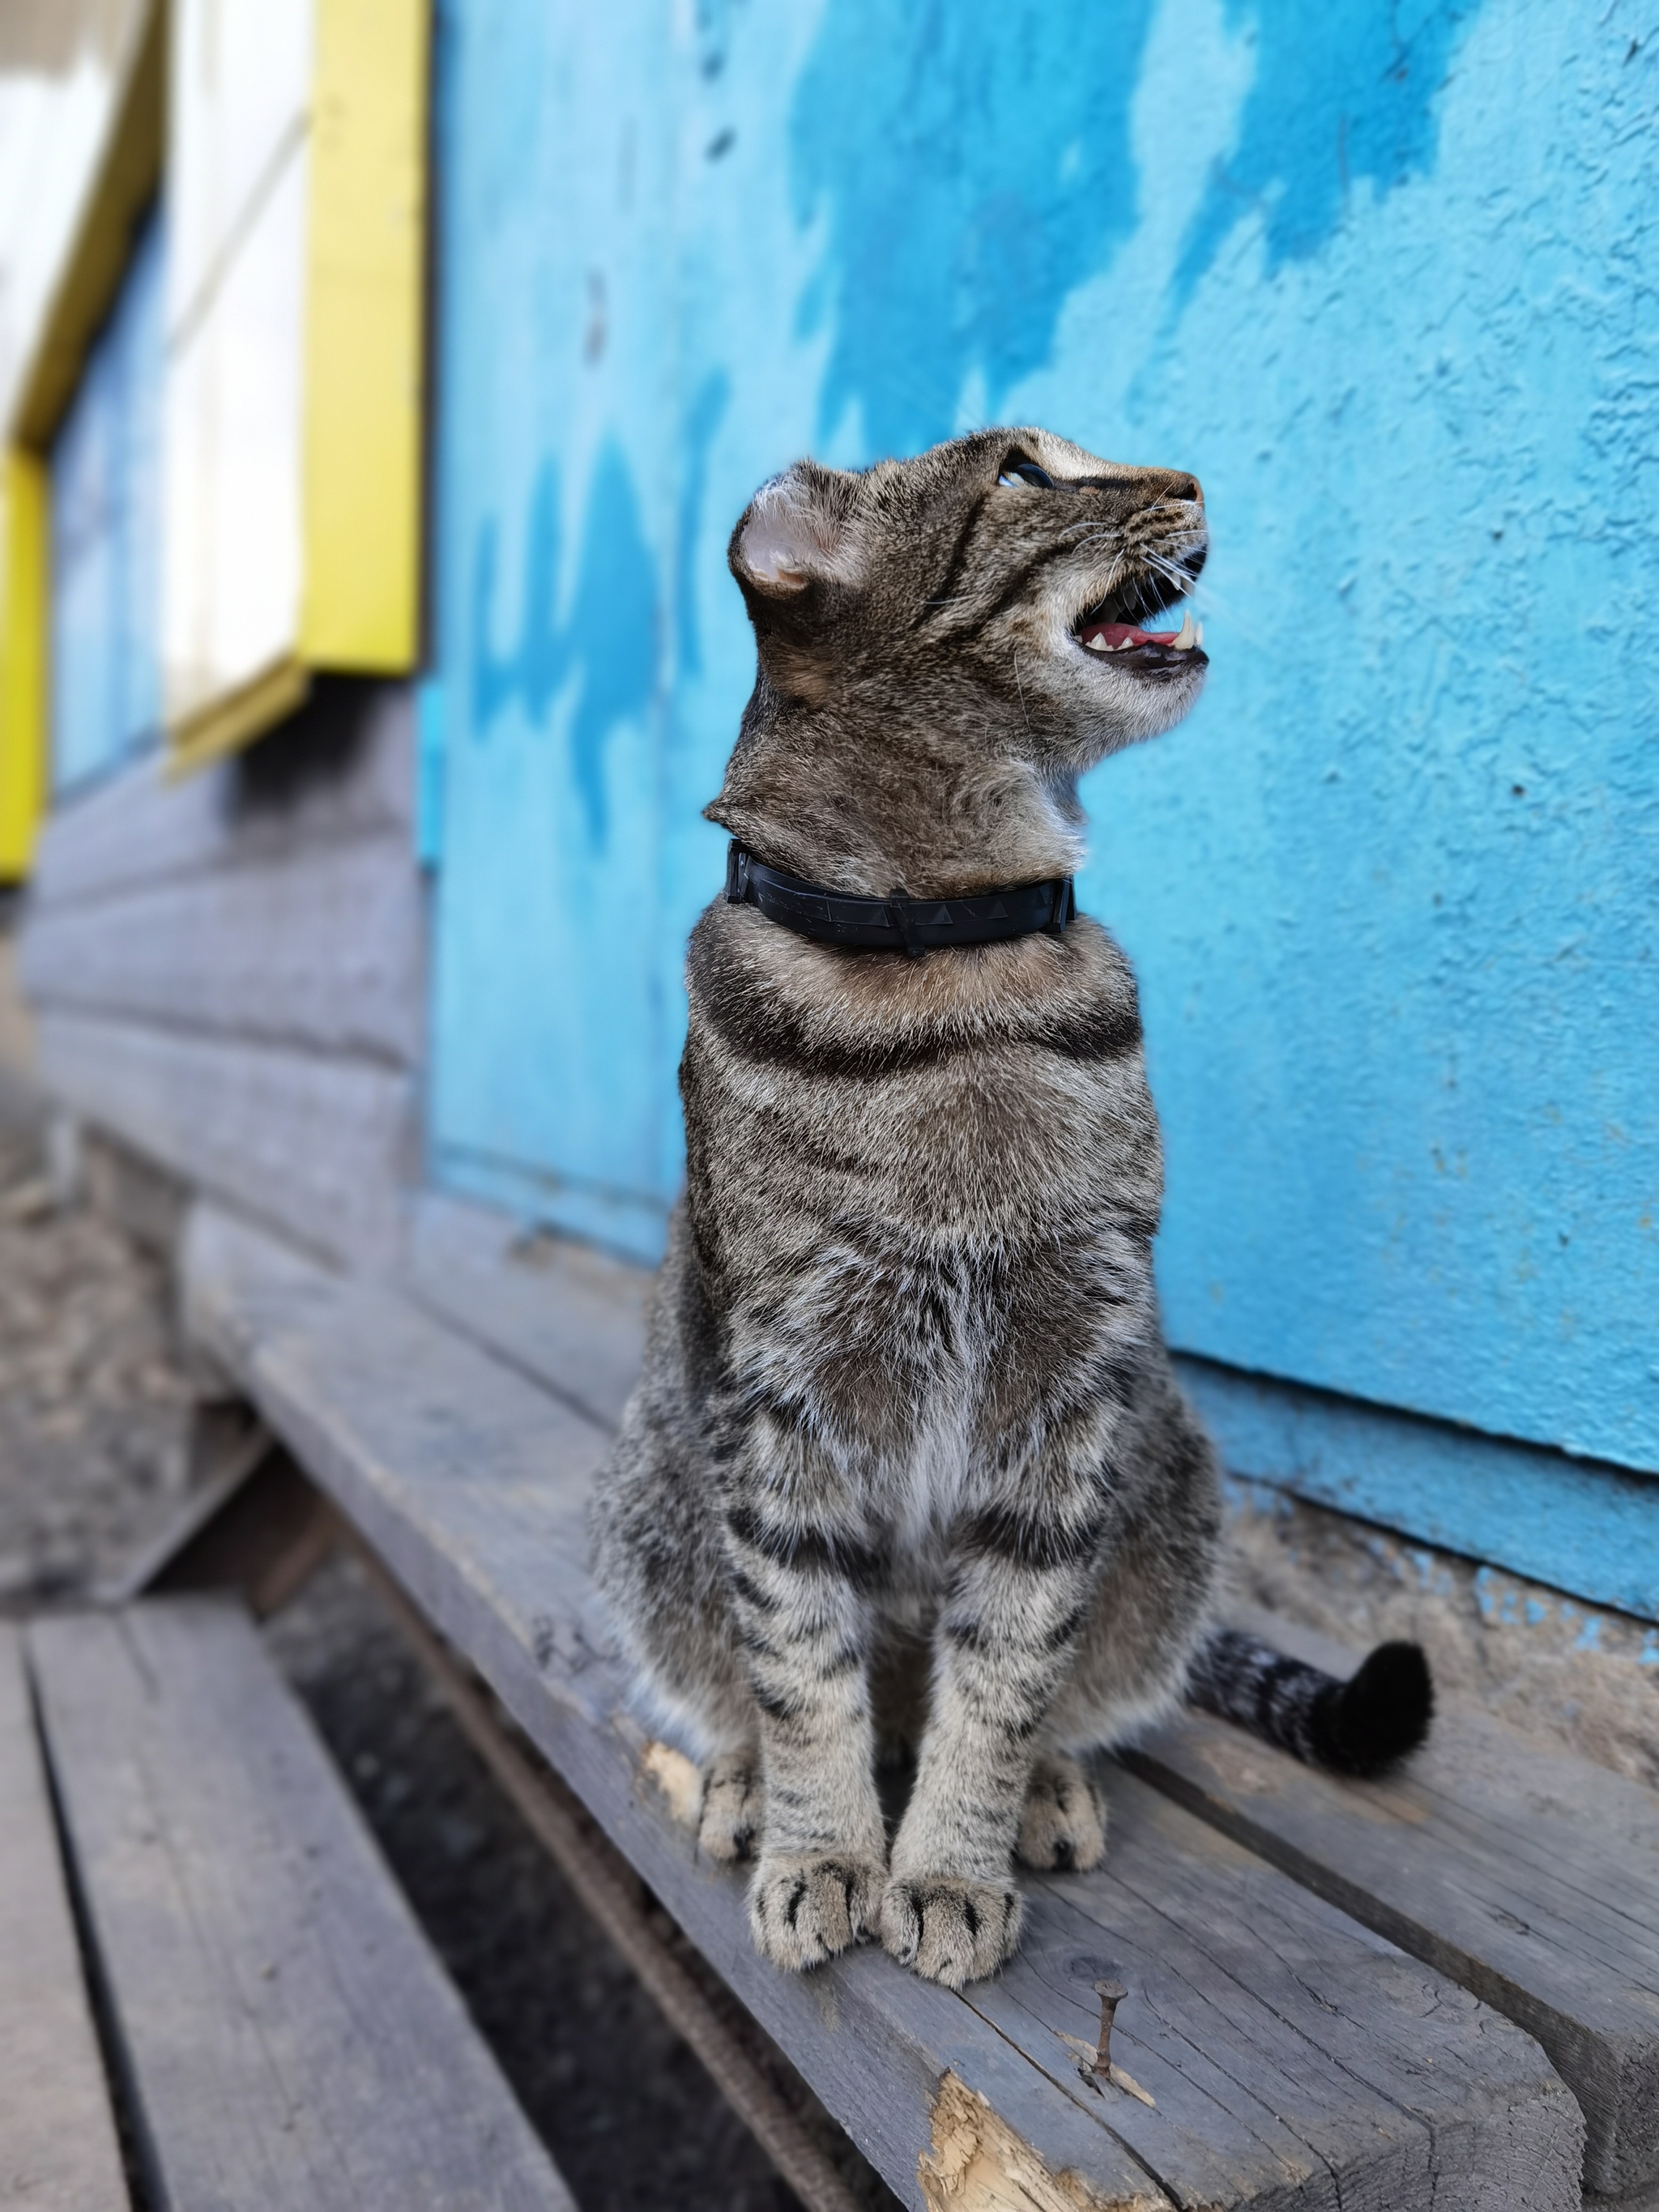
<point>907,1464</point>
<point>1363,1726</point>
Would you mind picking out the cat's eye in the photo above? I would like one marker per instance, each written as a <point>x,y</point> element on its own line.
<point>1015,473</point>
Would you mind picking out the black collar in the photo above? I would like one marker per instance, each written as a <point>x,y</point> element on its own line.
<point>898,924</point>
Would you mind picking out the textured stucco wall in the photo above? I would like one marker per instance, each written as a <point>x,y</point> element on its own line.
<point>1377,273</point>
<point>1392,894</point>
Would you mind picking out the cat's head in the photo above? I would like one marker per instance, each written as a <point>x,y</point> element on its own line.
<point>938,635</point>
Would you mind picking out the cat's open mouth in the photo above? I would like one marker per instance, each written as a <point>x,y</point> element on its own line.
<point>1141,650</point>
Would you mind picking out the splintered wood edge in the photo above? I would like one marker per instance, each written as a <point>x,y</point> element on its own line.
<point>975,2162</point>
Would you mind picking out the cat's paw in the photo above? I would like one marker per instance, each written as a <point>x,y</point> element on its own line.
<point>951,1929</point>
<point>733,1803</point>
<point>803,1909</point>
<point>1064,1824</point>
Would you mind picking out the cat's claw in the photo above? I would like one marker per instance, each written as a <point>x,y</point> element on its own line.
<point>804,1909</point>
<point>734,1805</point>
<point>949,1929</point>
<point>1064,1823</point>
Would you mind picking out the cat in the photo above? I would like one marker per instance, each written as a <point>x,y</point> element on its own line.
<point>908,1463</point>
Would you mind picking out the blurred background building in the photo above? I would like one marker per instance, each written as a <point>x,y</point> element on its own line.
<point>379,387</point>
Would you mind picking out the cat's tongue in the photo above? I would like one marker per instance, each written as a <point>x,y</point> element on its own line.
<point>1112,637</point>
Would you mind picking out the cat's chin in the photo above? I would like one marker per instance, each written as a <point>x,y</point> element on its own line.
<point>1122,705</point>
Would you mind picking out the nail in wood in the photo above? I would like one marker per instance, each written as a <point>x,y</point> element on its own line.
<point>1111,1995</point>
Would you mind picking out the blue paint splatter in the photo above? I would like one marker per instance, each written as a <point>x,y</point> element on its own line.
<point>613,628</point>
<point>703,418</point>
<point>972,167</point>
<point>543,648</point>
<point>1344,91</point>
<point>608,643</point>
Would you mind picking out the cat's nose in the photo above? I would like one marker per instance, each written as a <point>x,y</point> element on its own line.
<point>1190,487</point>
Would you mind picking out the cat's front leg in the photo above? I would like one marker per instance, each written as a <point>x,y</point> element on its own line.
<point>799,1578</point>
<point>1017,1598</point>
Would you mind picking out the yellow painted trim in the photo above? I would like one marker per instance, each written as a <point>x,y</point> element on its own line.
<point>128,171</point>
<point>240,717</point>
<point>24,522</point>
<point>365,336</point>
<point>365,342</point>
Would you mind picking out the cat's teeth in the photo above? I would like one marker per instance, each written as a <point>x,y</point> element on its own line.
<point>1186,636</point>
<point>1198,634</point>
<point>1097,644</point>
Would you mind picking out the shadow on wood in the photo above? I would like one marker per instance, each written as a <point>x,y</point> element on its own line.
<point>258,1526</point>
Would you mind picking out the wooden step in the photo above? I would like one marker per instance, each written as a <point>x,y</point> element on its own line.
<point>1529,1875</point>
<point>286,2036</point>
<point>1291,2057</point>
<point>57,2140</point>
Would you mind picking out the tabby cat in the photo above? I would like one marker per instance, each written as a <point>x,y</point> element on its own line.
<point>908,1465</point>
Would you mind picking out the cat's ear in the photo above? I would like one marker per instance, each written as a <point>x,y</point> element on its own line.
<point>797,530</point>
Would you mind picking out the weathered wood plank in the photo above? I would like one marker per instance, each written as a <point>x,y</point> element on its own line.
<point>329,784</point>
<point>1291,2061</point>
<point>1529,1876</point>
<point>317,1143</point>
<point>1513,1806</point>
<point>289,2038</point>
<point>317,948</point>
<point>57,2143</point>
<point>470,1483</point>
<point>261,1530</point>
<point>570,1317</point>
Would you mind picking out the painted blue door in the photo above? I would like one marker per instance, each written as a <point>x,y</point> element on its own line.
<point>555,494</point>
<point>1376,274</point>
<point>105,535</point>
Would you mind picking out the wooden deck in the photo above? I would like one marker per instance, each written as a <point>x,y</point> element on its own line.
<point>57,2140</point>
<point>284,2036</point>
<point>197,1929</point>
<point>1525,1875</point>
<point>1289,2048</point>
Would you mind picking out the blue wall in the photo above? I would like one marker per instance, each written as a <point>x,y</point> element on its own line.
<point>105,535</point>
<point>1376,272</point>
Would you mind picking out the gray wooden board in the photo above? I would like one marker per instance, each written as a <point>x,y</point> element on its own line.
<point>314,1141</point>
<point>471,1484</point>
<point>1530,1876</point>
<point>568,1316</point>
<point>1647,2200</point>
<point>288,2039</point>
<point>58,2144</point>
<point>1309,2066</point>
<point>1291,2061</point>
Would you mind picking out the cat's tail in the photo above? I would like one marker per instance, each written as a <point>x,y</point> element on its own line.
<point>1362,1726</point>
